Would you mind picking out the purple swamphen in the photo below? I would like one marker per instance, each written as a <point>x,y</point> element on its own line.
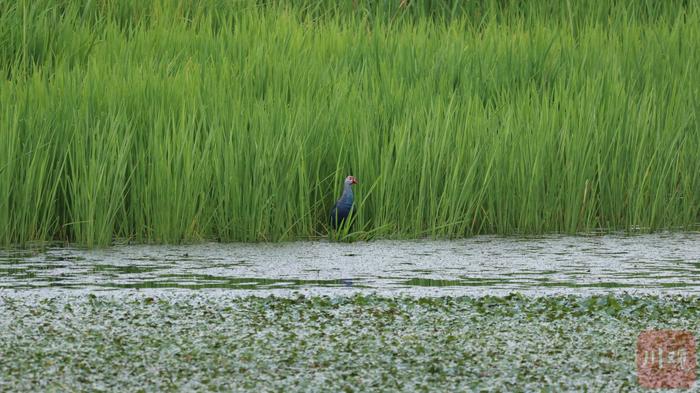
<point>345,205</point>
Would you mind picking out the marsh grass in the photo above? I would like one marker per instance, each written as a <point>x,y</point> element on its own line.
<point>171,121</point>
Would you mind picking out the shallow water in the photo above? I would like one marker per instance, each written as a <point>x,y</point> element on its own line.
<point>487,265</point>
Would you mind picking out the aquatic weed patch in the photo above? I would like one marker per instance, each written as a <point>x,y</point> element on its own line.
<point>139,342</point>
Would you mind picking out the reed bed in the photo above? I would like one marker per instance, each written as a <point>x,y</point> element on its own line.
<point>180,121</point>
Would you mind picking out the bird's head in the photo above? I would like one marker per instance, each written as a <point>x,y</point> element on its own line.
<point>350,180</point>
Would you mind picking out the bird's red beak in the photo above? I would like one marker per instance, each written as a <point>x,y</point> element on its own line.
<point>354,181</point>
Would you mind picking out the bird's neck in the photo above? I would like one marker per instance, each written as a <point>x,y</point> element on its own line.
<point>347,193</point>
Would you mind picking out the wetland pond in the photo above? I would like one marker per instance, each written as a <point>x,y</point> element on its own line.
<point>486,265</point>
<point>418,315</point>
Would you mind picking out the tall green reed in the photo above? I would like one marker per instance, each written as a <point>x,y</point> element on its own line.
<point>175,121</point>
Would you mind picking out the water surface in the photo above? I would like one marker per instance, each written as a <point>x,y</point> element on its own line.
<point>660,263</point>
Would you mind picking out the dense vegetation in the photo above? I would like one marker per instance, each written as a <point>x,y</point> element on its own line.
<point>168,121</point>
<point>192,341</point>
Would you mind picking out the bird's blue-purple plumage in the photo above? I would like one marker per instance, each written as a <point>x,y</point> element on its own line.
<point>343,207</point>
